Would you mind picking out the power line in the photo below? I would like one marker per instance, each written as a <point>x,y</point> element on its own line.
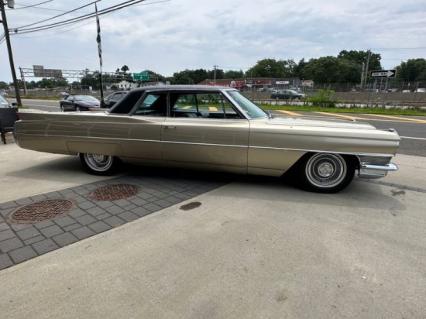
<point>39,8</point>
<point>33,5</point>
<point>76,19</point>
<point>84,17</point>
<point>56,16</point>
<point>412,48</point>
<point>63,29</point>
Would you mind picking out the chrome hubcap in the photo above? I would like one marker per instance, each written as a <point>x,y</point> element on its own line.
<point>326,170</point>
<point>98,162</point>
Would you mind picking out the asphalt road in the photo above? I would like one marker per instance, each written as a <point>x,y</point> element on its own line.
<point>411,129</point>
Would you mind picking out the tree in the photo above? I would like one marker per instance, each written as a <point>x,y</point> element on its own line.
<point>271,68</point>
<point>233,74</point>
<point>331,70</point>
<point>91,80</point>
<point>184,77</point>
<point>299,67</point>
<point>125,68</point>
<point>359,57</point>
<point>3,85</point>
<point>50,83</point>
<point>412,70</point>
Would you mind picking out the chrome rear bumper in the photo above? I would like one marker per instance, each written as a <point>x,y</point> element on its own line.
<point>376,171</point>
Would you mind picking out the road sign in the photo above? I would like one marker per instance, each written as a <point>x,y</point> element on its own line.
<point>141,76</point>
<point>383,74</point>
<point>282,82</point>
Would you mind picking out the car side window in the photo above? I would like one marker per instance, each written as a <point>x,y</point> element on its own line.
<point>153,104</point>
<point>183,105</point>
<point>202,105</point>
<point>116,97</point>
<point>125,105</point>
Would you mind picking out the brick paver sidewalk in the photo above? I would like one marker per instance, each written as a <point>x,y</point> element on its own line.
<point>89,215</point>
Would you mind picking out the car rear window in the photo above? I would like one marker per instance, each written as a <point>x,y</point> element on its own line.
<point>125,105</point>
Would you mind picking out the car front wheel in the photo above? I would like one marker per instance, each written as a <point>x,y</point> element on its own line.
<point>326,172</point>
<point>99,164</point>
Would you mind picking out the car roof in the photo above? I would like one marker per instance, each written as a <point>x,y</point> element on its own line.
<point>183,88</point>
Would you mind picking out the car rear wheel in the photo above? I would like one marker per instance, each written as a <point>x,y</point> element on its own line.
<point>99,164</point>
<point>326,172</point>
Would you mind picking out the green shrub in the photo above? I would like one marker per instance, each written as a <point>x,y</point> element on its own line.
<point>323,98</point>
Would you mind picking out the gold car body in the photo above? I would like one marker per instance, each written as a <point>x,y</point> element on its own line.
<point>265,146</point>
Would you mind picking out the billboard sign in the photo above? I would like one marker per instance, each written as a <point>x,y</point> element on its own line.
<point>41,72</point>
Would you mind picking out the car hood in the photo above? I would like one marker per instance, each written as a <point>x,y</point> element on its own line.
<point>317,121</point>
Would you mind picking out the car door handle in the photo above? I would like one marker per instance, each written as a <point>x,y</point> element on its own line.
<point>170,127</point>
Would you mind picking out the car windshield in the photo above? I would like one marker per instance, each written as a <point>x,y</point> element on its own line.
<point>251,109</point>
<point>86,98</point>
<point>3,101</point>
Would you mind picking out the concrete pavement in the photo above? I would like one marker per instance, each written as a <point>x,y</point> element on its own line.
<point>26,173</point>
<point>254,249</point>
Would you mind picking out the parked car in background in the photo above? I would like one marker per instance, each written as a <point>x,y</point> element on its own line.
<point>79,103</point>
<point>420,90</point>
<point>113,98</point>
<point>287,95</point>
<point>5,103</point>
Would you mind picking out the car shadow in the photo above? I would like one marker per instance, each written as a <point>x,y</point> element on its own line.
<point>358,194</point>
<point>60,169</point>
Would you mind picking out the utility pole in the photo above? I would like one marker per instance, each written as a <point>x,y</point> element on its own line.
<point>9,48</point>
<point>366,68</point>
<point>362,75</point>
<point>215,69</point>
<point>23,80</point>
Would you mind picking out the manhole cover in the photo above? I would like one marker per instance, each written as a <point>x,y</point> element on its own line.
<point>40,211</point>
<point>114,192</point>
<point>190,206</point>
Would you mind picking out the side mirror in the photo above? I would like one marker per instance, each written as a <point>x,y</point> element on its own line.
<point>14,104</point>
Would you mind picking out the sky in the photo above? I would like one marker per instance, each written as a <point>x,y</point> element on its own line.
<point>168,36</point>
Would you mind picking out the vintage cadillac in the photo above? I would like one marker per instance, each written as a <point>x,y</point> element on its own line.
<point>215,128</point>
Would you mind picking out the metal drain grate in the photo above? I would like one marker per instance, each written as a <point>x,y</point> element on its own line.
<point>114,192</point>
<point>40,211</point>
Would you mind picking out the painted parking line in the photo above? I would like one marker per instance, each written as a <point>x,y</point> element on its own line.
<point>398,118</point>
<point>413,138</point>
<point>347,117</point>
<point>365,117</point>
<point>289,113</point>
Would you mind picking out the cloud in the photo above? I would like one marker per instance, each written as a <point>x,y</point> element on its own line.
<point>180,34</point>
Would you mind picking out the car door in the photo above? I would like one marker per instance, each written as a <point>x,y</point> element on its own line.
<point>204,129</point>
<point>68,103</point>
<point>145,127</point>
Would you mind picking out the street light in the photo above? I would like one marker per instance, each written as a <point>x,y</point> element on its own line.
<point>11,4</point>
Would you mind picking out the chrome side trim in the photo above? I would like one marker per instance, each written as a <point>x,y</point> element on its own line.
<point>320,151</point>
<point>209,144</point>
